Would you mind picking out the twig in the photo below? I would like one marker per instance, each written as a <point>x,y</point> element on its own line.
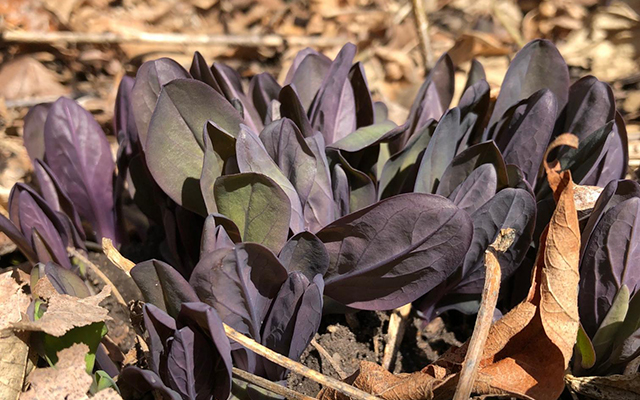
<point>116,258</point>
<point>485,313</point>
<point>422,26</point>
<point>84,260</point>
<point>296,367</point>
<point>170,38</point>
<point>515,35</point>
<point>324,353</point>
<point>270,386</point>
<point>397,325</point>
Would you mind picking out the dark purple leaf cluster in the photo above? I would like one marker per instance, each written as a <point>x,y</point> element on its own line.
<point>269,199</point>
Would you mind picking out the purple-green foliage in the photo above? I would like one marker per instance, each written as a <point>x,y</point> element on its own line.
<point>267,199</point>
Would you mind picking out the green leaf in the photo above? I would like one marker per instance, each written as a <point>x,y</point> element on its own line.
<point>606,333</point>
<point>101,381</point>
<point>257,205</point>
<point>91,335</point>
<point>585,347</point>
<point>175,144</point>
<point>363,137</point>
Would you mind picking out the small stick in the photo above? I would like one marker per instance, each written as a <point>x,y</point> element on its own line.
<point>485,313</point>
<point>116,258</point>
<point>324,353</point>
<point>170,38</point>
<point>270,386</point>
<point>84,260</point>
<point>296,367</point>
<point>397,325</point>
<point>422,26</point>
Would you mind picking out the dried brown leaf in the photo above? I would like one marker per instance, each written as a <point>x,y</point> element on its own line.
<point>14,348</point>
<point>13,300</point>
<point>26,77</point>
<point>67,380</point>
<point>613,387</point>
<point>65,312</point>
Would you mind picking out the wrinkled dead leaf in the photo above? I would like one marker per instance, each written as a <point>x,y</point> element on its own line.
<point>67,380</point>
<point>476,44</point>
<point>14,348</point>
<point>26,77</point>
<point>528,350</point>
<point>65,312</point>
<point>13,300</point>
<point>613,387</point>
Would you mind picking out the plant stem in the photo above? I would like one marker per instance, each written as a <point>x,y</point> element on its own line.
<point>422,26</point>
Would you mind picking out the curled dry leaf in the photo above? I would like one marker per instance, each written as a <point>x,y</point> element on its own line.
<point>528,350</point>
<point>618,387</point>
<point>64,312</point>
<point>67,380</point>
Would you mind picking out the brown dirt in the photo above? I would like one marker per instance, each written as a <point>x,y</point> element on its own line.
<point>362,337</point>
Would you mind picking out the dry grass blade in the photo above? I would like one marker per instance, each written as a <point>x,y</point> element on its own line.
<point>270,386</point>
<point>296,367</point>
<point>87,263</point>
<point>324,353</point>
<point>422,26</point>
<point>485,313</point>
<point>116,258</point>
<point>397,325</point>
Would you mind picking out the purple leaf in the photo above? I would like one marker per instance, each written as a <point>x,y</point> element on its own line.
<point>286,146</point>
<point>479,187</point>
<point>465,163</point>
<point>333,109</point>
<point>33,135</point>
<point>361,189</point>
<point>175,147</point>
<point>537,66</point>
<point>240,284</point>
<point>291,107</point>
<point>399,172</point>
<point>160,327</point>
<point>525,139</point>
<point>78,153</point>
<point>55,196</point>
<point>31,217</point>
<point>362,96</point>
<point>319,209</point>
<point>307,73</point>
<point>510,208</point>
<point>263,89</point>
<point>253,157</point>
<point>145,381</point>
<point>13,233</point>
<point>399,248</point>
<point>305,253</point>
<point>123,117</point>
<point>440,152</point>
<point>214,237</point>
<point>590,104</point>
<point>162,285</point>
<point>216,366</point>
<point>613,194</point>
<point>201,71</point>
<point>231,85</point>
<point>258,207</point>
<point>293,321</point>
<point>150,79</point>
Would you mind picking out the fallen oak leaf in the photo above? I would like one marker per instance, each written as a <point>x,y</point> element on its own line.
<point>64,312</point>
<point>68,379</point>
